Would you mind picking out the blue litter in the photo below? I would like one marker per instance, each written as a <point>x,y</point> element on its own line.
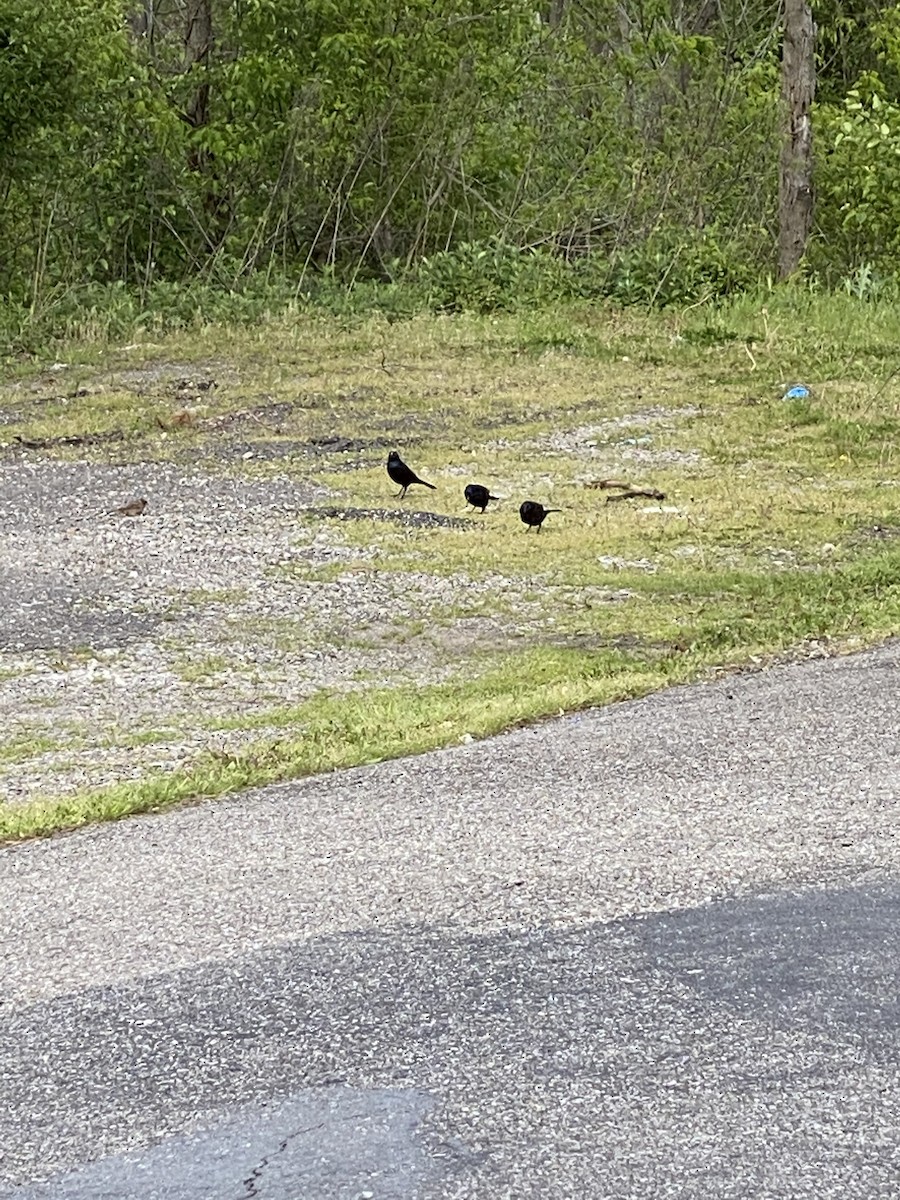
<point>799,392</point>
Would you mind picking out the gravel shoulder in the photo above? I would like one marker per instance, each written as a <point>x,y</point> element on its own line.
<point>129,645</point>
<point>780,777</point>
<point>274,563</point>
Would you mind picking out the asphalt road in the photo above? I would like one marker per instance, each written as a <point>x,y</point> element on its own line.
<point>648,951</point>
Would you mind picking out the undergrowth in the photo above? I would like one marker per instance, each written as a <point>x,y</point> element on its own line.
<point>668,271</point>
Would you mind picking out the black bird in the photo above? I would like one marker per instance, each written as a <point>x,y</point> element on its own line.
<point>533,513</point>
<point>404,475</point>
<point>478,495</point>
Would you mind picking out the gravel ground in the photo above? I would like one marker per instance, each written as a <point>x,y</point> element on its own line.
<point>125,643</point>
<point>610,445</point>
<point>123,639</point>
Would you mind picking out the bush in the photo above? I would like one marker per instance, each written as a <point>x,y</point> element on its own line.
<point>492,276</point>
<point>858,184</point>
<point>669,268</point>
<point>676,267</point>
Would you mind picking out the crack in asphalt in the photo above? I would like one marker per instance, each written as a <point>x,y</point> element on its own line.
<point>251,1183</point>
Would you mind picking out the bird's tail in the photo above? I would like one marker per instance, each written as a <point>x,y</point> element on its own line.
<point>431,485</point>
<point>493,497</point>
<point>550,510</point>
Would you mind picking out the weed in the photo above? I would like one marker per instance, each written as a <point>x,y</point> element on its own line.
<point>201,669</point>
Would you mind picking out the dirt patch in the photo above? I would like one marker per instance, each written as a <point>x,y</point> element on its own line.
<point>174,375</point>
<point>603,441</point>
<point>270,450</point>
<point>413,520</point>
<point>344,445</point>
<point>71,439</point>
<point>257,449</point>
<point>629,642</point>
<point>874,533</point>
<point>41,611</point>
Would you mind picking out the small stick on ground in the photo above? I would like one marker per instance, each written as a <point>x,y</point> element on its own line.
<point>634,493</point>
<point>627,491</point>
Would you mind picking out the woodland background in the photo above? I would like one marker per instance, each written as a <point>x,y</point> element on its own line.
<point>444,153</point>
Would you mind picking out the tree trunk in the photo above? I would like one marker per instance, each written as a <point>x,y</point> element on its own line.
<point>798,86</point>
<point>198,38</point>
<point>198,45</point>
<point>140,19</point>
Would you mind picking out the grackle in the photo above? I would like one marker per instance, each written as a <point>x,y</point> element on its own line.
<point>478,495</point>
<point>403,475</point>
<point>533,513</point>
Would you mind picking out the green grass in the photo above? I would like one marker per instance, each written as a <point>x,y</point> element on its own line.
<point>785,527</point>
<point>330,732</point>
<point>195,670</point>
<point>25,746</point>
